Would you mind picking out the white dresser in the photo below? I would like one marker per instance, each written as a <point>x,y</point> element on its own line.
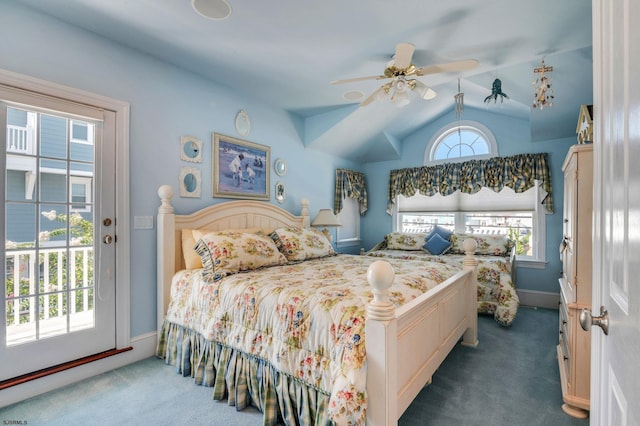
<point>574,356</point>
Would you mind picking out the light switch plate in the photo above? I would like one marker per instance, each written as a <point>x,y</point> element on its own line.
<point>143,222</point>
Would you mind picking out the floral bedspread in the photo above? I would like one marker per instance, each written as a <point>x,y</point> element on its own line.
<point>496,292</point>
<point>306,319</point>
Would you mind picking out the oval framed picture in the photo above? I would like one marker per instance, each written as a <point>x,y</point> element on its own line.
<point>243,125</point>
<point>280,167</point>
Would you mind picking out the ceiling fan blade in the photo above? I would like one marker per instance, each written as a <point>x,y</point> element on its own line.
<point>424,91</point>
<point>372,97</point>
<point>351,80</point>
<point>448,67</point>
<point>404,52</point>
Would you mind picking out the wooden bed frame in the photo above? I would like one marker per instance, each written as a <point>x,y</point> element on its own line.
<point>404,346</point>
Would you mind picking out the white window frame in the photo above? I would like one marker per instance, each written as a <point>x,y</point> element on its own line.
<point>87,182</point>
<point>537,260</point>
<point>445,131</point>
<point>350,215</point>
<point>89,126</point>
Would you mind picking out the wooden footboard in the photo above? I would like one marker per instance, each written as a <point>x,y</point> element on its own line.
<point>406,346</point>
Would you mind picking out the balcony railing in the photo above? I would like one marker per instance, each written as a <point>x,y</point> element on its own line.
<point>60,301</point>
<point>20,140</point>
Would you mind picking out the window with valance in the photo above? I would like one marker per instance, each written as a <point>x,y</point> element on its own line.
<point>518,172</point>
<point>350,184</point>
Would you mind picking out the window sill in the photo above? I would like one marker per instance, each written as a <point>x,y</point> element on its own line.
<point>530,263</point>
<point>348,243</point>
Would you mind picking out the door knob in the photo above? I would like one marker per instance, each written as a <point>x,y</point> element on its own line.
<point>107,239</point>
<point>587,320</point>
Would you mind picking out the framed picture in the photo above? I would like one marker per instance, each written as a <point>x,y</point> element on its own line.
<point>240,168</point>
<point>190,149</point>
<point>190,182</point>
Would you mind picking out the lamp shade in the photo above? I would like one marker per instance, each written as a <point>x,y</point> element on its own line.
<point>325,217</point>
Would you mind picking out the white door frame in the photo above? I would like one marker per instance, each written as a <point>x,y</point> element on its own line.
<point>122,227</point>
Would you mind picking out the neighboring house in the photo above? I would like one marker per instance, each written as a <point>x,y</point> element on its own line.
<point>54,143</point>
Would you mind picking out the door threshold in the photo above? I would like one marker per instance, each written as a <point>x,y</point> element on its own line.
<point>61,367</point>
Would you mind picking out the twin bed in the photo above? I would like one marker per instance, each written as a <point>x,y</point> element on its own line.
<point>312,337</point>
<point>496,258</point>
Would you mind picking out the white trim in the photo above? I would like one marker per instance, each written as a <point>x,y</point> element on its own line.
<point>90,133</point>
<point>351,206</point>
<point>539,299</point>
<point>121,109</point>
<point>445,130</point>
<point>87,183</point>
<point>530,263</point>
<point>144,346</point>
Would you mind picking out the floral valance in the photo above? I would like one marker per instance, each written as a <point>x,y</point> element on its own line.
<point>518,172</point>
<point>350,184</point>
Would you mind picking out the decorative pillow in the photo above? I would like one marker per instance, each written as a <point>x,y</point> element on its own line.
<point>227,252</point>
<point>437,245</point>
<point>494,245</point>
<point>299,244</point>
<point>191,258</point>
<point>443,232</point>
<point>405,241</point>
<point>198,233</point>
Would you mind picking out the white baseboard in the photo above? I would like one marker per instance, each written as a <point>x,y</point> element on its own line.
<point>540,299</point>
<point>144,346</point>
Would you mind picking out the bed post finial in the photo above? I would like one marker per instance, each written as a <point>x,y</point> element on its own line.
<point>380,276</point>
<point>469,245</point>
<point>304,203</point>
<point>165,192</point>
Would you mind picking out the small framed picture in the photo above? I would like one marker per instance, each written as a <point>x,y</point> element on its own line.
<point>190,149</point>
<point>240,168</point>
<point>280,192</point>
<point>190,182</point>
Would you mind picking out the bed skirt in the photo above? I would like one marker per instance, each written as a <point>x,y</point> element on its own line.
<point>243,379</point>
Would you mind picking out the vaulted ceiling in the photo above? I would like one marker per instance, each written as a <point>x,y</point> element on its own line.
<point>287,52</point>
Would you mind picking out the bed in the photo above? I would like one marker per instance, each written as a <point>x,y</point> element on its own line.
<point>496,266</point>
<point>342,378</point>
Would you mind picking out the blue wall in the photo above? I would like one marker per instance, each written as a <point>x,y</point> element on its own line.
<point>513,137</point>
<point>166,103</point>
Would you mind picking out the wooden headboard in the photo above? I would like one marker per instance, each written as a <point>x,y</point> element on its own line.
<point>239,214</point>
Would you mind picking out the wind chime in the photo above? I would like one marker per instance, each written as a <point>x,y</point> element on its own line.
<point>459,102</point>
<point>543,93</point>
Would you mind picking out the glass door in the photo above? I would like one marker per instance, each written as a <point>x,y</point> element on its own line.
<point>58,298</point>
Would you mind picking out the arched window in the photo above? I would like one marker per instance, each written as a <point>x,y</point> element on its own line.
<point>460,141</point>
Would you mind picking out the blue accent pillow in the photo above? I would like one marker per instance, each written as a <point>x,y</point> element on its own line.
<point>443,232</point>
<point>437,245</point>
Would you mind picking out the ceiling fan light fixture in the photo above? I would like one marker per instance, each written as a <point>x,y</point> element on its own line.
<point>400,85</point>
<point>400,98</point>
<point>422,90</point>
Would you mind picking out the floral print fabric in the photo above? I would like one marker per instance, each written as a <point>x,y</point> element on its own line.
<point>405,240</point>
<point>304,319</point>
<point>496,292</point>
<point>302,243</point>
<point>228,252</point>
<point>492,245</point>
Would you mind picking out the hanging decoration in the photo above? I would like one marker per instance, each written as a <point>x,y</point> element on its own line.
<point>496,91</point>
<point>543,93</point>
<point>459,102</point>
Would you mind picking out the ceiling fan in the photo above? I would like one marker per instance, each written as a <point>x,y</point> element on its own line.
<point>398,71</point>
